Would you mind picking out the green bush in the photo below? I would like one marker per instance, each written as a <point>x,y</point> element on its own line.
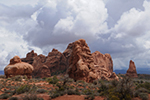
<point>17,78</point>
<point>71,92</point>
<point>13,98</point>
<point>143,96</point>
<point>26,88</point>
<point>113,97</point>
<point>31,97</point>
<point>90,97</point>
<point>41,90</point>
<point>53,80</point>
<point>145,85</point>
<point>4,96</point>
<point>56,94</point>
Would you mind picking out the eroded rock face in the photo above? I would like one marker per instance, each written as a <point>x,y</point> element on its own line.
<point>45,66</point>
<point>29,57</point>
<point>88,67</point>
<point>16,67</point>
<point>104,66</point>
<point>132,70</point>
<point>81,63</point>
<point>67,53</point>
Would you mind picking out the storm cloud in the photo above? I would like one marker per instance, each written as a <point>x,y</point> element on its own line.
<point>120,28</point>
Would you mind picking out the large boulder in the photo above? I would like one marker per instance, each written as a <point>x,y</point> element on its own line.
<point>81,63</point>
<point>104,66</point>
<point>16,67</point>
<point>132,70</point>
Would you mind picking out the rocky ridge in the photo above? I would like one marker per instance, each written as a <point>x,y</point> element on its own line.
<point>77,61</point>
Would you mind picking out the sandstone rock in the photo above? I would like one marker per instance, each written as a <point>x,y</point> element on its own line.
<point>16,67</point>
<point>38,63</point>
<point>104,66</point>
<point>86,66</point>
<point>29,57</point>
<point>132,70</point>
<point>67,53</point>
<point>81,63</point>
<point>54,63</point>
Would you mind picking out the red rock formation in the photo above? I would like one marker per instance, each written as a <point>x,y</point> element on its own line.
<point>132,70</point>
<point>16,67</point>
<point>67,53</point>
<point>86,66</point>
<point>29,57</point>
<point>54,63</point>
<point>81,62</point>
<point>104,66</point>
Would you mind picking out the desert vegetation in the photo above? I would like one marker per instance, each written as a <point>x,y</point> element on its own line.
<point>22,88</point>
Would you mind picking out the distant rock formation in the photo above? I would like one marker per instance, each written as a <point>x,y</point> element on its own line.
<point>16,67</point>
<point>104,66</point>
<point>45,66</point>
<point>132,70</point>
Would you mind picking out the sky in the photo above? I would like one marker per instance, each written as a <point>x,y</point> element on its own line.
<point>118,27</point>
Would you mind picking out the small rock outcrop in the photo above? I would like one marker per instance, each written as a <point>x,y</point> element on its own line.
<point>104,66</point>
<point>132,70</point>
<point>17,67</point>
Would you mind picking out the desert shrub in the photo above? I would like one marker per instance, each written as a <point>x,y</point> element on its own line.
<point>140,90</point>
<point>31,97</point>
<point>53,80</point>
<point>90,97</point>
<point>80,81</point>
<point>2,76</point>
<point>8,91</point>
<point>87,92</point>
<point>103,89</point>
<point>41,91</point>
<point>55,94</point>
<point>125,89</point>
<point>95,82</point>
<point>17,78</point>
<point>13,98</point>
<point>145,85</point>
<point>4,96</point>
<point>114,83</point>
<point>71,92</point>
<point>113,97</point>
<point>143,96</point>
<point>26,88</point>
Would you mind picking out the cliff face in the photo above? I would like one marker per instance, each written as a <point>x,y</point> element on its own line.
<point>132,70</point>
